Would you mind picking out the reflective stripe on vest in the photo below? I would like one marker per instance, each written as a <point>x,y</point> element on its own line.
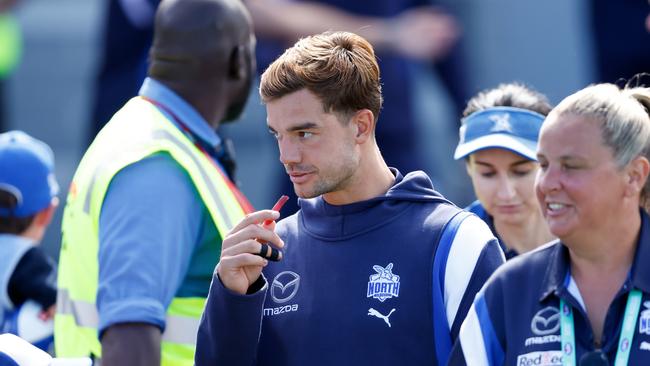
<point>135,132</point>
<point>178,329</point>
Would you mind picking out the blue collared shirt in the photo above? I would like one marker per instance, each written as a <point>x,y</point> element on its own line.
<point>157,240</point>
<point>190,117</point>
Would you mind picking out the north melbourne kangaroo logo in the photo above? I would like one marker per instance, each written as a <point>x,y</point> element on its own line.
<point>373,312</point>
<point>501,123</point>
<point>384,284</point>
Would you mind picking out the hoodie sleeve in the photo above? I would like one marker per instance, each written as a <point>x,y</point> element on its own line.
<point>230,327</point>
<point>481,338</point>
<point>474,255</point>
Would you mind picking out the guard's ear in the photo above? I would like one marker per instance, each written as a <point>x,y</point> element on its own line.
<point>364,120</point>
<point>238,63</point>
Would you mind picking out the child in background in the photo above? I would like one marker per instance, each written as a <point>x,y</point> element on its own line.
<point>28,201</point>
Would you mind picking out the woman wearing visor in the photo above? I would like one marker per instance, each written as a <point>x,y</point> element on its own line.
<point>498,140</point>
<point>584,299</point>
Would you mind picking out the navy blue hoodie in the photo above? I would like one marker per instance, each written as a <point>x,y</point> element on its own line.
<point>356,285</point>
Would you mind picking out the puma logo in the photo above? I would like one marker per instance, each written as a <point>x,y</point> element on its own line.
<point>374,312</point>
<point>645,346</point>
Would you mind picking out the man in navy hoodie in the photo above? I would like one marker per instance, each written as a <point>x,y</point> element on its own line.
<point>376,268</point>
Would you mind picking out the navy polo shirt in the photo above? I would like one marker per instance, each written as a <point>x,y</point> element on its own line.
<point>515,319</point>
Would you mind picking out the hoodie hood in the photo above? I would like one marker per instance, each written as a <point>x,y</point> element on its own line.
<point>328,222</point>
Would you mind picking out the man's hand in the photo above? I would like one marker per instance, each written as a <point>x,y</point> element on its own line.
<point>424,33</point>
<point>240,265</point>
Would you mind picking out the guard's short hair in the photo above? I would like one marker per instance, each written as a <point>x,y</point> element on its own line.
<point>340,68</point>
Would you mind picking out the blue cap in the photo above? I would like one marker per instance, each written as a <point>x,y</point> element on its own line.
<point>27,172</point>
<point>508,128</point>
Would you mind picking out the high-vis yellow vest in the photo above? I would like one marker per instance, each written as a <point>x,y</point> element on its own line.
<point>138,130</point>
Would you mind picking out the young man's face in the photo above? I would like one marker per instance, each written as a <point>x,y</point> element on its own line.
<point>318,151</point>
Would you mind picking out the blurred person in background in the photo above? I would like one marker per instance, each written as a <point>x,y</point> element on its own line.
<point>10,51</point>
<point>402,32</point>
<point>613,21</point>
<point>126,38</point>
<point>153,196</point>
<point>28,200</point>
<point>584,299</point>
<point>498,140</point>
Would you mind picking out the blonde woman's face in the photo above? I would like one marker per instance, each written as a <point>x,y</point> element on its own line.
<point>579,185</point>
<point>504,184</point>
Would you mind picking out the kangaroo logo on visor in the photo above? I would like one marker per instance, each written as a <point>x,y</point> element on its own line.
<point>501,123</point>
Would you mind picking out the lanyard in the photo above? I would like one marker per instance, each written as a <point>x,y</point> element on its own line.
<point>627,331</point>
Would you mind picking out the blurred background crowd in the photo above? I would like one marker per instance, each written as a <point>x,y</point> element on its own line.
<point>78,61</point>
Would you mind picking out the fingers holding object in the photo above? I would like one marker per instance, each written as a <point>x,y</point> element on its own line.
<point>256,217</point>
<point>265,250</point>
<point>254,236</point>
<point>239,261</point>
<point>252,232</point>
<point>269,252</point>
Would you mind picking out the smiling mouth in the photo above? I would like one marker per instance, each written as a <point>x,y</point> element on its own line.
<point>554,208</point>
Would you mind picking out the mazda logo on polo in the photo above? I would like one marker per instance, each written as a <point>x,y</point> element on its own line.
<point>546,321</point>
<point>285,286</point>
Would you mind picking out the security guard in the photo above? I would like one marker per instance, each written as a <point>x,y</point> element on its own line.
<point>151,198</point>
